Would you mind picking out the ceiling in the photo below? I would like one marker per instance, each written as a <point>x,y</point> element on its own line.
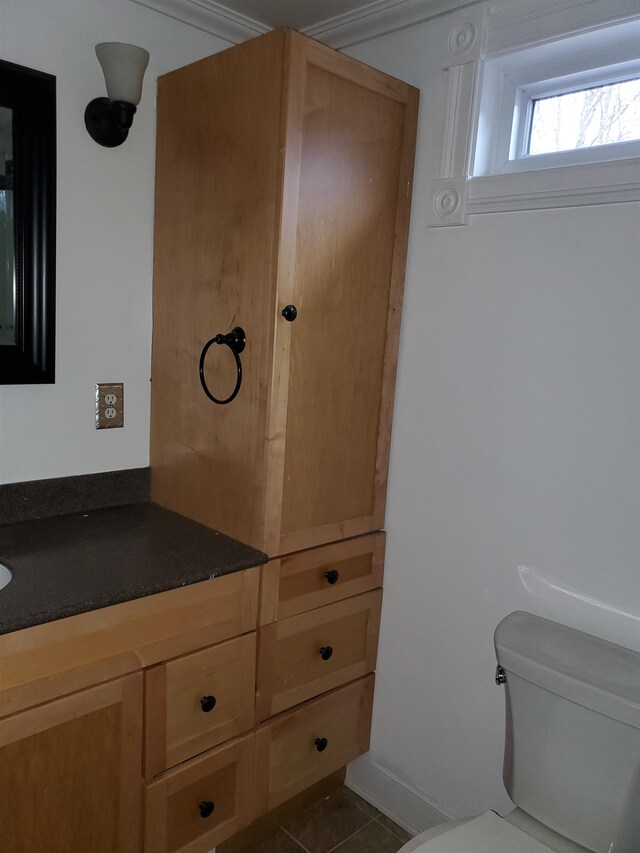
<point>300,14</point>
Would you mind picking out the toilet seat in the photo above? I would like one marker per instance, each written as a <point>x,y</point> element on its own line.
<point>487,833</point>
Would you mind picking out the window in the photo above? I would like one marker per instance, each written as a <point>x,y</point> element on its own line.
<point>574,101</point>
<point>599,115</point>
<point>543,108</point>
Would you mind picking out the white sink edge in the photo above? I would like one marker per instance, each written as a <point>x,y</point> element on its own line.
<point>5,576</point>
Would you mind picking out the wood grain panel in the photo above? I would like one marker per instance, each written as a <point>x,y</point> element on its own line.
<point>398,268</point>
<point>176,727</point>
<point>223,776</point>
<point>44,662</point>
<point>70,772</point>
<point>348,197</point>
<point>340,64</point>
<point>218,186</point>
<point>287,758</point>
<point>298,582</point>
<point>291,134</point>
<point>290,666</point>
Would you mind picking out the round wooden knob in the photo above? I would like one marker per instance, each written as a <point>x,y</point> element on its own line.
<point>332,576</point>
<point>208,703</point>
<point>289,312</point>
<point>321,743</point>
<point>206,808</point>
<point>326,652</point>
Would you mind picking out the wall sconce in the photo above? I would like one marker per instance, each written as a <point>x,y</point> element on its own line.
<point>108,119</point>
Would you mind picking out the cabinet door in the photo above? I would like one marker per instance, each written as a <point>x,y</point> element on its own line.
<point>349,159</point>
<point>70,772</point>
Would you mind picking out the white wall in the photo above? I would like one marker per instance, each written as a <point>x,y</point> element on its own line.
<point>104,239</point>
<point>516,443</point>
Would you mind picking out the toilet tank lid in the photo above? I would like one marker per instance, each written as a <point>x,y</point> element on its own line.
<point>594,673</point>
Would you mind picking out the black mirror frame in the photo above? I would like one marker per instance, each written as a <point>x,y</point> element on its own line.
<point>31,95</point>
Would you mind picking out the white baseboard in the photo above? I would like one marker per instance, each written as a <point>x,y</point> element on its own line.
<point>397,799</point>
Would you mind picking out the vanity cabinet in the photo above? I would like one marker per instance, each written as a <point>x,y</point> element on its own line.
<point>283,185</point>
<point>76,772</point>
<point>138,727</point>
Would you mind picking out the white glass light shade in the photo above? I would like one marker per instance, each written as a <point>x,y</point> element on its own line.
<point>123,66</point>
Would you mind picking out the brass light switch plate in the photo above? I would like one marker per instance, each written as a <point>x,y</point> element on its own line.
<point>109,405</point>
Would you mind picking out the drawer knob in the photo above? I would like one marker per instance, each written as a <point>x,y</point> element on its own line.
<point>332,576</point>
<point>326,652</point>
<point>290,312</point>
<point>208,703</point>
<point>321,743</point>
<point>206,808</point>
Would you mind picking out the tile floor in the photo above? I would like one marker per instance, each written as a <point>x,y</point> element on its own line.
<point>341,822</point>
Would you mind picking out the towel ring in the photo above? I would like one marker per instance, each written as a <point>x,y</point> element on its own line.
<point>236,341</point>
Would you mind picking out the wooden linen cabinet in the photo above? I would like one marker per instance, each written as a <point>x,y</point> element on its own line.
<point>283,191</point>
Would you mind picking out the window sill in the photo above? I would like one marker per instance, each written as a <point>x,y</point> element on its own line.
<point>455,199</point>
<point>566,186</point>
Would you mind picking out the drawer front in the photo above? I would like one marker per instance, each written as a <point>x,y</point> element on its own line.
<point>197,701</point>
<point>320,576</point>
<point>203,802</point>
<point>291,753</point>
<point>307,655</point>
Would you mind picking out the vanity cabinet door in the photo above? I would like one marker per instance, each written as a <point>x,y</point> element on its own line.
<point>350,154</point>
<point>70,772</point>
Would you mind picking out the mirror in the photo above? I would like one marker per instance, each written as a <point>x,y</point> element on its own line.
<point>27,225</point>
<point>7,239</point>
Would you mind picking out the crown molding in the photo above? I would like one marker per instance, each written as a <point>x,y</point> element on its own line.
<point>209,16</point>
<point>371,20</point>
<point>528,22</point>
<point>379,18</point>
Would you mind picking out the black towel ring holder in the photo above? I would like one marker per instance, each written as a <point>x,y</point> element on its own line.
<point>236,341</point>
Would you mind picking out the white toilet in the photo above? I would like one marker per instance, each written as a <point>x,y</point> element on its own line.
<point>572,748</point>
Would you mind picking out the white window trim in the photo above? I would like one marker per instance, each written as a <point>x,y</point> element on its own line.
<point>497,30</point>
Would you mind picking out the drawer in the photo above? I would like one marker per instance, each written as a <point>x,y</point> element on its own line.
<point>197,701</point>
<point>320,576</point>
<point>291,753</point>
<point>201,803</point>
<point>306,655</point>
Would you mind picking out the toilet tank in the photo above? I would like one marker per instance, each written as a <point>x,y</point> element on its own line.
<point>572,749</point>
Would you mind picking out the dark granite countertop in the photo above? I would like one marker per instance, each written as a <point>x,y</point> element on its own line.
<point>74,563</point>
